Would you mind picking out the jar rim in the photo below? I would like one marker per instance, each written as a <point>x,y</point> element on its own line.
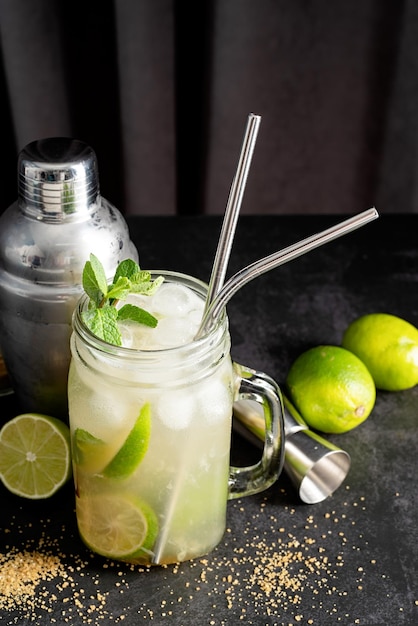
<point>202,343</point>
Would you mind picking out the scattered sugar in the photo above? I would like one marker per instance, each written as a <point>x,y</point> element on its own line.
<point>21,573</point>
<point>285,568</point>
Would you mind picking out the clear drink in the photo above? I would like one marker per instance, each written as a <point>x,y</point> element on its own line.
<point>151,429</point>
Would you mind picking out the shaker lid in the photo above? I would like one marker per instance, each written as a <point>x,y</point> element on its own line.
<point>57,179</point>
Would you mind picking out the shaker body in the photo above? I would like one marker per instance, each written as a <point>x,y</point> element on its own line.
<point>35,332</point>
<point>42,256</point>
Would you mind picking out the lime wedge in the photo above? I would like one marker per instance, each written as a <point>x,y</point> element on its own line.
<point>117,526</point>
<point>35,458</point>
<point>133,450</point>
<point>89,452</point>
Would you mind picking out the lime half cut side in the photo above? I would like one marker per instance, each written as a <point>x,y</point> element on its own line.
<point>35,457</point>
<point>117,526</point>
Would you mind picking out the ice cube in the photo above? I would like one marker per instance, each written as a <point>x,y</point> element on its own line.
<point>143,302</point>
<point>174,300</point>
<point>98,414</point>
<point>214,402</point>
<point>171,332</point>
<point>176,409</point>
<point>143,337</point>
<point>126,335</point>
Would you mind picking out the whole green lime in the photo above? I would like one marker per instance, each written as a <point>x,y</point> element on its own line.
<point>331,388</point>
<point>388,346</point>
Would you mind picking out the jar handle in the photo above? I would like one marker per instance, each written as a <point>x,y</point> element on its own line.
<point>258,387</point>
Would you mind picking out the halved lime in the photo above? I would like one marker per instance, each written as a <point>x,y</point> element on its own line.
<point>35,458</point>
<point>117,526</point>
<point>133,450</point>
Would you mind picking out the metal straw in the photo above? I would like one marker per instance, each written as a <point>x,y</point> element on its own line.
<point>272,261</point>
<point>218,273</point>
<point>233,206</point>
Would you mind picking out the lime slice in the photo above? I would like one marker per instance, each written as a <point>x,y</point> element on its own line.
<point>133,450</point>
<point>117,526</point>
<point>35,458</point>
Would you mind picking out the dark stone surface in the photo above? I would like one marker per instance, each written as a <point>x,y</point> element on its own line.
<point>354,555</point>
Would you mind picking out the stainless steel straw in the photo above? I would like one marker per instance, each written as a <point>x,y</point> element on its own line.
<point>233,206</point>
<point>272,261</point>
<point>315,466</point>
<point>219,266</point>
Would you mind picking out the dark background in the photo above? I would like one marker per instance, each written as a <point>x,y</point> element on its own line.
<point>161,89</point>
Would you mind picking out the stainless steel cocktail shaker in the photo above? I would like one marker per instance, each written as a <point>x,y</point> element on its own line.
<point>46,237</point>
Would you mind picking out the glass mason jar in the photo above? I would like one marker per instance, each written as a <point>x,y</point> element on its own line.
<point>151,436</point>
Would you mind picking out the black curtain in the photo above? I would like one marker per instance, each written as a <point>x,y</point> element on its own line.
<point>161,89</point>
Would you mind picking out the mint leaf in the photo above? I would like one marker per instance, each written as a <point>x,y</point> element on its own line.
<point>127,268</point>
<point>120,290</point>
<point>146,287</point>
<point>94,280</point>
<point>141,276</point>
<point>136,314</point>
<point>103,323</point>
<point>102,316</point>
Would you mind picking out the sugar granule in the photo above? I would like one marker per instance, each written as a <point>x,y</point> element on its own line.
<point>20,575</point>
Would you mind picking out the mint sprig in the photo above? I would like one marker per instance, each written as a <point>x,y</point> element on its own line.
<point>102,315</point>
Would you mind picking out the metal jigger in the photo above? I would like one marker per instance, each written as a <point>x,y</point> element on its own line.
<point>315,466</point>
